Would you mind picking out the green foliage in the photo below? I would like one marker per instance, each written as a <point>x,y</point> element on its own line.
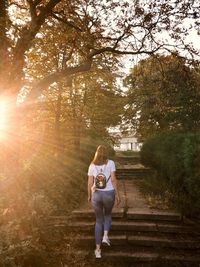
<point>164,95</point>
<point>48,185</point>
<point>175,157</point>
<point>79,106</point>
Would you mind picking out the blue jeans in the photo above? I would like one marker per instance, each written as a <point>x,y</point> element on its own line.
<point>102,202</point>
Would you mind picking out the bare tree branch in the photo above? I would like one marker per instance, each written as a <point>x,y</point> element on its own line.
<point>37,2</point>
<point>28,34</point>
<point>67,22</point>
<point>32,10</point>
<point>47,81</point>
<point>3,14</point>
<point>123,52</point>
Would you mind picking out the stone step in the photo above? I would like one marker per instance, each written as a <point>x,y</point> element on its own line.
<point>155,259</point>
<point>116,226</point>
<point>166,228</point>
<point>116,240</point>
<point>133,172</point>
<point>89,214</point>
<point>133,169</point>
<point>92,220</point>
<point>116,223</point>
<point>61,230</point>
<point>126,160</point>
<point>138,242</point>
<point>130,177</point>
<point>133,214</point>
<point>123,227</point>
<point>125,175</point>
<point>163,242</point>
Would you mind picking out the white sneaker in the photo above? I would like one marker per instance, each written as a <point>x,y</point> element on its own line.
<point>97,253</point>
<point>106,240</point>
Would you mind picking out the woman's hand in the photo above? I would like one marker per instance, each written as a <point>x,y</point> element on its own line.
<point>118,200</point>
<point>90,184</point>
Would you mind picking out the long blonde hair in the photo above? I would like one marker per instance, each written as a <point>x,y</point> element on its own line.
<point>101,156</point>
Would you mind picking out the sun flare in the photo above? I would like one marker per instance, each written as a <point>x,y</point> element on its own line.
<point>3,111</point>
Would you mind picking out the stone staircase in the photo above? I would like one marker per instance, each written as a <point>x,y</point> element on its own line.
<point>131,168</point>
<point>126,160</point>
<point>133,173</point>
<point>139,235</point>
<point>148,238</point>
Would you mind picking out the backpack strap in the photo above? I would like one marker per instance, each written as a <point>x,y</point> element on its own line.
<point>108,179</point>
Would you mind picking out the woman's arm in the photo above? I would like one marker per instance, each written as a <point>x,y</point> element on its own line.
<point>90,184</point>
<point>114,183</point>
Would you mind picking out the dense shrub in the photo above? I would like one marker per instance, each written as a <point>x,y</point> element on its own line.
<point>175,157</point>
<point>47,186</point>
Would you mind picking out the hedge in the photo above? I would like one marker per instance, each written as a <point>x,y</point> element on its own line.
<point>176,158</point>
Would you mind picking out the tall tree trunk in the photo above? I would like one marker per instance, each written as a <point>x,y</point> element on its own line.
<point>77,136</point>
<point>4,54</point>
<point>58,141</point>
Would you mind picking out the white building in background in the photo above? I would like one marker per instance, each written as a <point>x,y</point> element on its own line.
<point>126,142</point>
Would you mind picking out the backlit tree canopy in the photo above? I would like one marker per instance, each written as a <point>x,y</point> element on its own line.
<point>87,29</point>
<point>164,95</point>
<point>45,43</point>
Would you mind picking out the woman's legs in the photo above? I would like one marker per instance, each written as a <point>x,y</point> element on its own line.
<point>108,203</point>
<point>102,202</point>
<point>97,204</point>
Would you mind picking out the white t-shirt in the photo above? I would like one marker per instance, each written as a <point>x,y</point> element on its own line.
<point>106,169</point>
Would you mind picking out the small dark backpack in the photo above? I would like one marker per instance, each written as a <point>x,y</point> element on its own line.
<point>101,180</point>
